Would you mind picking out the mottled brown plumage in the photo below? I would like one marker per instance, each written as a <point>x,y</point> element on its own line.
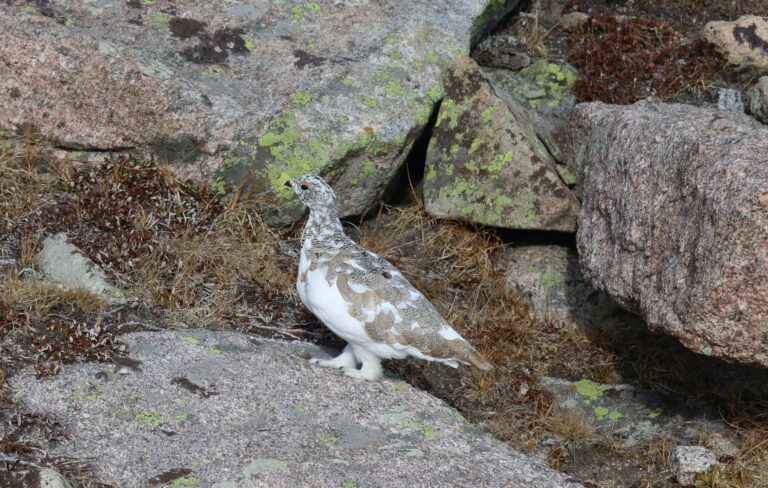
<point>364,299</point>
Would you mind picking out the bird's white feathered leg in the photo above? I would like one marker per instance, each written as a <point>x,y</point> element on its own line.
<point>371,369</point>
<point>344,360</point>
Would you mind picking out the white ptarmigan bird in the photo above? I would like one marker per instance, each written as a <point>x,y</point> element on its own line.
<point>364,299</point>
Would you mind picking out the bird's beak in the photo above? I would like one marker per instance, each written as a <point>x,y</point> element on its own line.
<point>289,183</point>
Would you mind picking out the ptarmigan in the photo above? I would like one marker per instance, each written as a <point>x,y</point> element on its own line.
<point>364,299</point>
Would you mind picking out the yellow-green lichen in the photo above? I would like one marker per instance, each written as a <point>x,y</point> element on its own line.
<point>349,484</point>
<point>217,186</point>
<point>401,385</point>
<point>450,111</point>
<point>391,38</point>
<point>159,19</point>
<point>394,89</point>
<point>368,168</point>
<point>250,44</point>
<point>551,278</point>
<point>301,98</point>
<point>147,418</point>
<point>425,429</point>
<point>738,59</point>
<point>654,413</point>
<point>421,115</point>
<point>294,153</point>
<point>314,7</point>
<point>212,71</point>
<point>28,9</point>
<point>602,412</point>
<point>191,340</point>
<point>555,80</point>
<point>487,114</point>
<point>369,102</point>
<point>432,58</point>
<point>476,144</point>
<point>590,390</point>
<point>296,13</point>
<point>326,438</point>
<point>383,76</point>
<point>435,92</point>
<point>500,161</point>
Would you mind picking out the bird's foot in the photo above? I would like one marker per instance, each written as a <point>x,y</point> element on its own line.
<point>327,363</point>
<point>363,374</point>
<point>344,360</point>
<point>353,373</point>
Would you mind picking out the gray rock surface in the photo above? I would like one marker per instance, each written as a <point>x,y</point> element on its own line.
<point>743,42</point>
<point>66,265</point>
<point>244,92</point>
<point>501,52</point>
<point>550,280</point>
<point>485,163</point>
<point>756,100</point>
<point>635,415</point>
<point>216,407</point>
<point>689,461</point>
<point>730,99</point>
<point>674,218</point>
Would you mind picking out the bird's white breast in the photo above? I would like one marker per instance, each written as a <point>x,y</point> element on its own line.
<point>326,302</point>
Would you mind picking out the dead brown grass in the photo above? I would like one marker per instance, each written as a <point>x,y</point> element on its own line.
<point>36,298</point>
<point>203,279</point>
<point>454,265</point>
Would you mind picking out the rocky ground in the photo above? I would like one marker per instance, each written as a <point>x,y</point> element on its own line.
<point>607,257</point>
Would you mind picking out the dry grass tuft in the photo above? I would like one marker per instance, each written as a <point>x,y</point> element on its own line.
<point>576,429</point>
<point>206,278</point>
<point>658,453</point>
<point>39,299</point>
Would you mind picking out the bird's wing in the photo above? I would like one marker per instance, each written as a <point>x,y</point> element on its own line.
<point>394,311</point>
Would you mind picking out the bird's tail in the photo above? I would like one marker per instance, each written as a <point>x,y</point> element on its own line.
<point>463,351</point>
<point>479,361</point>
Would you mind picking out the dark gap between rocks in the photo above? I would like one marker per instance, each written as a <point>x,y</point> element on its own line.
<point>408,179</point>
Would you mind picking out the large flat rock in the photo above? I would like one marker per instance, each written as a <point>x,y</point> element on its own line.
<point>224,409</point>
<point>674,220</point>
<point>249,93</point>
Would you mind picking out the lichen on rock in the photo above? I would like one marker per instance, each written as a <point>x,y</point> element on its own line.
<point>485,163</point>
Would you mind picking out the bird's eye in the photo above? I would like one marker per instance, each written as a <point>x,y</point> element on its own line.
<point>304,187</point>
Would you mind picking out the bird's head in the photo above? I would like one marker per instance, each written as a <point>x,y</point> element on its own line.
<point>313,192</point>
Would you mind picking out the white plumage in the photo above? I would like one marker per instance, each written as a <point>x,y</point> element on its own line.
<point>364,299</point>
